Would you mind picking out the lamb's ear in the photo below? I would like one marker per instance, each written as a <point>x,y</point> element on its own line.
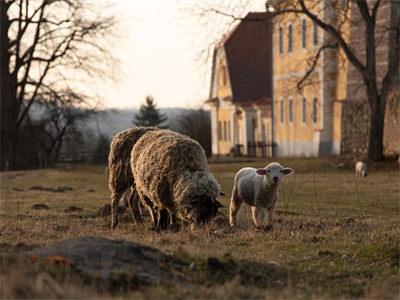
<point>222,194</point>
<point>288,171</point>
<point>261,172</point>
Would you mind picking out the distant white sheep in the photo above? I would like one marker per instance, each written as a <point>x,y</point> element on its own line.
<point>258,188</point>
<point>361,169</point>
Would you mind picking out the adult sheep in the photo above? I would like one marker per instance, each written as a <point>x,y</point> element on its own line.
<point>120,179</point>
<point>171,174</point>
<point>258,188</point>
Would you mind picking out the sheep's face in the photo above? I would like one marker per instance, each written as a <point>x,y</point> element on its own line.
<point>202,209</point>
<point>274,172</point>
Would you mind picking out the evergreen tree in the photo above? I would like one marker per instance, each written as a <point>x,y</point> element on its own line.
<point>148,114</point>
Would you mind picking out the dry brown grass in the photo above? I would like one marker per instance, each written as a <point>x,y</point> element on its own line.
<point>336,236</point>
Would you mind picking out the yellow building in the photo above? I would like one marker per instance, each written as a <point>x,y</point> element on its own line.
<point>307,114</point>
<point>241,89</point>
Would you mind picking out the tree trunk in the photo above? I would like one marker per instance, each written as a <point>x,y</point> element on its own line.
<point>7,97</point>
<point>377,118</point>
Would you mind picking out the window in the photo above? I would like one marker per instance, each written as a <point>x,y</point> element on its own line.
<point>280,40</point>
<point>224,76</point>
<point>282,112</point>
<point>315,34</point>
<point>290,110</point>
<point>224,130</point>
<point>290,38</point>
<point>229,130</point>
<point>304,34</point>
<point>304,109</point>
<point>314,114</point>
<point>220,130</point>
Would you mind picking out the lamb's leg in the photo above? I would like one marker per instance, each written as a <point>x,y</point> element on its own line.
<point>133,202</point>
<point>258,213</point>
<point>271,212</point>
<point>234,207</point>
<point>114,208</point>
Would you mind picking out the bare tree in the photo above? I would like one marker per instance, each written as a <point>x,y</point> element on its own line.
<point>55,45</point>
<point>377,87</point>
<point>195,123</point>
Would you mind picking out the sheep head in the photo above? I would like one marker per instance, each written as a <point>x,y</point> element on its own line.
<point>202,209</point>
<point>274,172</point>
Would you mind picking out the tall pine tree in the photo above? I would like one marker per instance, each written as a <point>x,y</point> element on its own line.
<point>149,115</point>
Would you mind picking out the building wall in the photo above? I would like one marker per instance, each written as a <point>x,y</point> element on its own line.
<point>225,141</point>
<point>298,133</point>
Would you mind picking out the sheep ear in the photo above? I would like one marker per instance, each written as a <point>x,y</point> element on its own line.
<point>222,194</point>
<point>261,172</point>
<point>288,171</point>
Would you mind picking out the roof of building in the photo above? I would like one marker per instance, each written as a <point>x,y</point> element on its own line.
<point>248,51</point>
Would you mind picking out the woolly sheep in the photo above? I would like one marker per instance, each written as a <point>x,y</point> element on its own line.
<point>120,174</point>
<point>258,188</point>
<point>171,174</point>
<point>361,169</point>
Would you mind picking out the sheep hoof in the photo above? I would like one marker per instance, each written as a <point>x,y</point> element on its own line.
<point>267,227</point>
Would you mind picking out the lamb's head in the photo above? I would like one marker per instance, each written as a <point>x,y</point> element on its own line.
<point>202,209</point>
<point>274,172</point>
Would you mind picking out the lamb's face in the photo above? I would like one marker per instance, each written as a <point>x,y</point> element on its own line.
<point>274,172</point>
<point>202,209</point>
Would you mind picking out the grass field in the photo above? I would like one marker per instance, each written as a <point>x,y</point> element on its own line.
<point>336,236</point>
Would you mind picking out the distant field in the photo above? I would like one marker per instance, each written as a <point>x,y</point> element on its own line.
<point>336,235</point>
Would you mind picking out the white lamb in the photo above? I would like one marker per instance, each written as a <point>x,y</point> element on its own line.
<point>258,188</point>
<point>361,169</point>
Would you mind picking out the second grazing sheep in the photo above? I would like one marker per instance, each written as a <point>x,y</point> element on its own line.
<point>361,169</point>
<point>120,177</point>
<point>171,173</point>
<point>258,188</point>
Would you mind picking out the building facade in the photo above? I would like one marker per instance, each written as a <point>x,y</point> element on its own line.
<point>241,89</point>
<point>307,84</point>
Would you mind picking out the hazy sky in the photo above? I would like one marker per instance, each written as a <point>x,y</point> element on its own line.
<point>157,55</point>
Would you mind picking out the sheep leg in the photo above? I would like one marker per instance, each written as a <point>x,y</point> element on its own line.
<point>133,202</point>
<point>114,208</point>
<point>234,208</point>
<point>163,219</point>
<point>271,212</point>
<point>258,213</point>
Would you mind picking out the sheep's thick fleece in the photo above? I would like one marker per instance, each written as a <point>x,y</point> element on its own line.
<point>120,174</point>
<point>171,172</point>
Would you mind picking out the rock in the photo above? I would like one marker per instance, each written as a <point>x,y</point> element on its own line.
<point>105,258</point>
<point>36,187</point>
<point>73,208</point>
<point>40,206</point>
